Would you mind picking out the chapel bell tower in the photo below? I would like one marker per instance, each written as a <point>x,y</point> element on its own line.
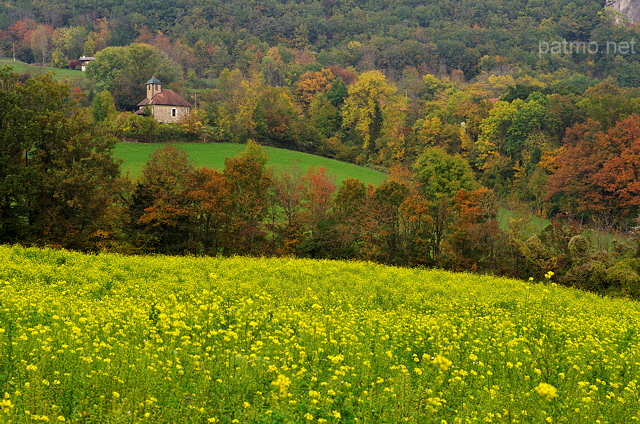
<point>154,86</point>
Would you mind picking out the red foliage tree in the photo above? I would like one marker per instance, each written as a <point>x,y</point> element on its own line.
<point>319,196</point>
<point>289,189</point>
<point>597,171</point>
<point>475,240</point>
<point>251,185</point>
<point>618,181</point>
<point>210,204</point>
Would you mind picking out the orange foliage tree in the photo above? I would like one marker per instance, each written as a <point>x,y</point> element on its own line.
<point>596,171</point>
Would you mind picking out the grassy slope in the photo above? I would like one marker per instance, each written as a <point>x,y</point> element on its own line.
<point>192,340</point>
<point>59,74</point>
<point>532,224</point>
<point>213,155</point>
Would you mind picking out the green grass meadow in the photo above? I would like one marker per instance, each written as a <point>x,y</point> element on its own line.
<point>153,339</point>
<point>58,74</point>
<point>530,224</point>
<point>212,155</point>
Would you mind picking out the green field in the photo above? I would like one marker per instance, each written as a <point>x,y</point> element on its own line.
<point>110,339</point>
<point>212,155</point>
<point>530,224</point>
<point>58,74</point>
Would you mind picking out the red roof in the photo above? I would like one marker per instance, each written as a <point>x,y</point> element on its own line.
<point>166,98</point>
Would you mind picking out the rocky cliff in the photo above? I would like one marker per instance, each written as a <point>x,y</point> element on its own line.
<point>628,8</point>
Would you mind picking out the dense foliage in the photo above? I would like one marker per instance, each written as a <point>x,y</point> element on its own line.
<point>95,338</point>
<point>58,178</point>
<point>433,35</point>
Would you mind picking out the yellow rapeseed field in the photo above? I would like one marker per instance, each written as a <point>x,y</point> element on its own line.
<point>115,339</point>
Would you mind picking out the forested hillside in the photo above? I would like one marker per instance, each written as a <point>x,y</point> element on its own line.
<point>433,35</point>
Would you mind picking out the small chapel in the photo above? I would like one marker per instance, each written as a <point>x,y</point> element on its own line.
<point>165,106</point>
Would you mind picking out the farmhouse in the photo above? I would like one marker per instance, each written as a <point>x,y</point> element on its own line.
<point>164,105</point>
<point>84,61</point>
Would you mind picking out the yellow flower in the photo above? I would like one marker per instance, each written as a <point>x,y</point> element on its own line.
<point>5,405</point>
<point>546,390</point>
<point>282,383</point>
<point>442,362</point>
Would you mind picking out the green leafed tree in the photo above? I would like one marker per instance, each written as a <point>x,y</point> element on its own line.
<point>103,107</point>
<point>441,175</point>
<point>17,129</point>
<point>58,176</point>
<point>124,70</point>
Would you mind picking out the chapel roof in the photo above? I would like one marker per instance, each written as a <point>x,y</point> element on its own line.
<point>166,98</point>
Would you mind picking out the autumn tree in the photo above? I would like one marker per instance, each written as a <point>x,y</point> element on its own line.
<point>286,216</point>
<point>19,34</point>
<point>40,40</point>
<point>384,211</point>
<point>160,208</point>
<point>475,241</point>
<point>251,184</point>
<point>596,172</point>
<point>619,178</point>
<point>319,227</point>
<point>277,119</point>
<point>349,214</point>
<point>68,43</point>
<point>313,82</point>
<point>210,207</point>
<point>319,199</point>
<point>248,108</point>
<point>177,208</point>
<point>237,99</point>
<point>373,110</point>
<point>417,229</point>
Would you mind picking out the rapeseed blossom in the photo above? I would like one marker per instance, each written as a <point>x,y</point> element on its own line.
<point>546,391</point>
<point>192,340</point>
<point>282,383</point>
<point>442,362</point>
